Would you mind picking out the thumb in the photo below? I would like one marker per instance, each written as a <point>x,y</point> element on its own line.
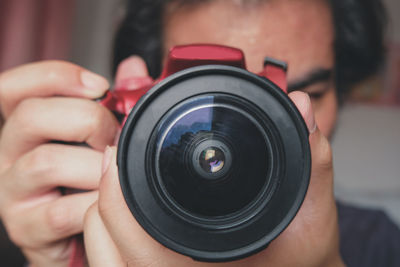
<point>321,154</point>
<point>134,244</point>
<point>132,74</point>
<point>129,236</point>
<point>100,248</point>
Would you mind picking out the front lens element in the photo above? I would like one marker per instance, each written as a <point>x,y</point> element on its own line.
<point>213,156</point>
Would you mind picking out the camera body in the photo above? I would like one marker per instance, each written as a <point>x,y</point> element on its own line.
<point>123,98</point>
<point>213,160</point>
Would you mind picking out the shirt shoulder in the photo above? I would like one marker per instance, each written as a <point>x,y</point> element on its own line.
<point>368,237</point>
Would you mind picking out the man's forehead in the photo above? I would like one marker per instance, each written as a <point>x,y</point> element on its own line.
<point>304,39</point>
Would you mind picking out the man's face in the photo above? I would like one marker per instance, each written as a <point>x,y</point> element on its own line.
<point>299,32</point>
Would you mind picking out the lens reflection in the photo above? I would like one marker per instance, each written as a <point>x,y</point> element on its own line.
<point>213,160</point>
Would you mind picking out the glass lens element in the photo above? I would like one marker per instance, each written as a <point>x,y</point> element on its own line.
<point>212,159</point>
<point>213,156</point>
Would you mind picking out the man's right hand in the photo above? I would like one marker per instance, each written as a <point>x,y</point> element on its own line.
<point>43,102</point>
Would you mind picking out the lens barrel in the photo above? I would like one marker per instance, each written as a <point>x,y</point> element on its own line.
<point>214,162</point>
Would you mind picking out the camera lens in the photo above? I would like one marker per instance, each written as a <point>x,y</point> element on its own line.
<point>212,159</point>
<point>213,156</point>
<point>214,162</point>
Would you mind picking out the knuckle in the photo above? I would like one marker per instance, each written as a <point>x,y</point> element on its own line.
<point>56,69</point>
<point>4,83</point>
<point>58,218</point>
<point>95,115</point>
<point>23,112</point>
<point>38,162</point>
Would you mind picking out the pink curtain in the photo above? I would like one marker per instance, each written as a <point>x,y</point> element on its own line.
<point>33,30</point>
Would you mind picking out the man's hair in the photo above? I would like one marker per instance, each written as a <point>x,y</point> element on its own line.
<point>359,37</point>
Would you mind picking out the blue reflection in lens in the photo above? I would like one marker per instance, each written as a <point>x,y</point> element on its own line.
<point>198,120</point>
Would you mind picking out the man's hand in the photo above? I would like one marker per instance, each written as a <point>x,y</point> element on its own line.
<point>114,238</point>
<point>44,102</point>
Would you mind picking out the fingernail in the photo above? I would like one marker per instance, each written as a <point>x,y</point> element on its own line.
<point>95,84</point>
<point>106,159</point>
<point>306,106</point>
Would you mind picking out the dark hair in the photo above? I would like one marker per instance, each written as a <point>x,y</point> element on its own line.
<point>359,37</point>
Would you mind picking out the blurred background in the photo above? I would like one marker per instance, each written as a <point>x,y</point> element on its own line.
<point>366,144</point>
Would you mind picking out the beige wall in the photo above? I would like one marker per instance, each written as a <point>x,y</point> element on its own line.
<point>95,24</point>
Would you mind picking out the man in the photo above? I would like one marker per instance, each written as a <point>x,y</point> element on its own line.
<point>304,33</point>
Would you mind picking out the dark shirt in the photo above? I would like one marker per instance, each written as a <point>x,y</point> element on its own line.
<point>368,238</point>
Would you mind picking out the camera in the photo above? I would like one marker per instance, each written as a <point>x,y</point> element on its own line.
<point>213,160</point>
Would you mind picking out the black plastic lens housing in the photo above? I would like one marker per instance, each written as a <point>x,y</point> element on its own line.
<point>214,162</point>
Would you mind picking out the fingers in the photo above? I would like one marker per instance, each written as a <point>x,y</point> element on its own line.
<point>317,216</point>
<point>321,153</point>
<point>134,244</point>
<point>48,78</point>
<point>58,254</point>
<point>38,218</point>
<point>36,121</point>
<point>303,104</point>
<point>117,218</point>
<point>112,207</point>
<point>35,227</point>
<point>100,248</point>
<point>132,74</point>
<point>133,66</point>
<point>49,166</point>
<point>321,183</point>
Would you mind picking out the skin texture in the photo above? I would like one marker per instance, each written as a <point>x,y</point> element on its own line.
<point>40,220</point>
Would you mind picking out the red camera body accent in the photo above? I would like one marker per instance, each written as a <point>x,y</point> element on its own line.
<point>183,57</point>
<point>123,98</point>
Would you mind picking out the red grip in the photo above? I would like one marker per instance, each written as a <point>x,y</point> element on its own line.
<point>275,71</point>
<point>77,257</point>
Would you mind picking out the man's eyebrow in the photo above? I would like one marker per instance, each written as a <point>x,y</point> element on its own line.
<point>315,76</point>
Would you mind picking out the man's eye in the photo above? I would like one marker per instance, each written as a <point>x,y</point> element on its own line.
<point>315,95</point>
<point>316,92</point>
